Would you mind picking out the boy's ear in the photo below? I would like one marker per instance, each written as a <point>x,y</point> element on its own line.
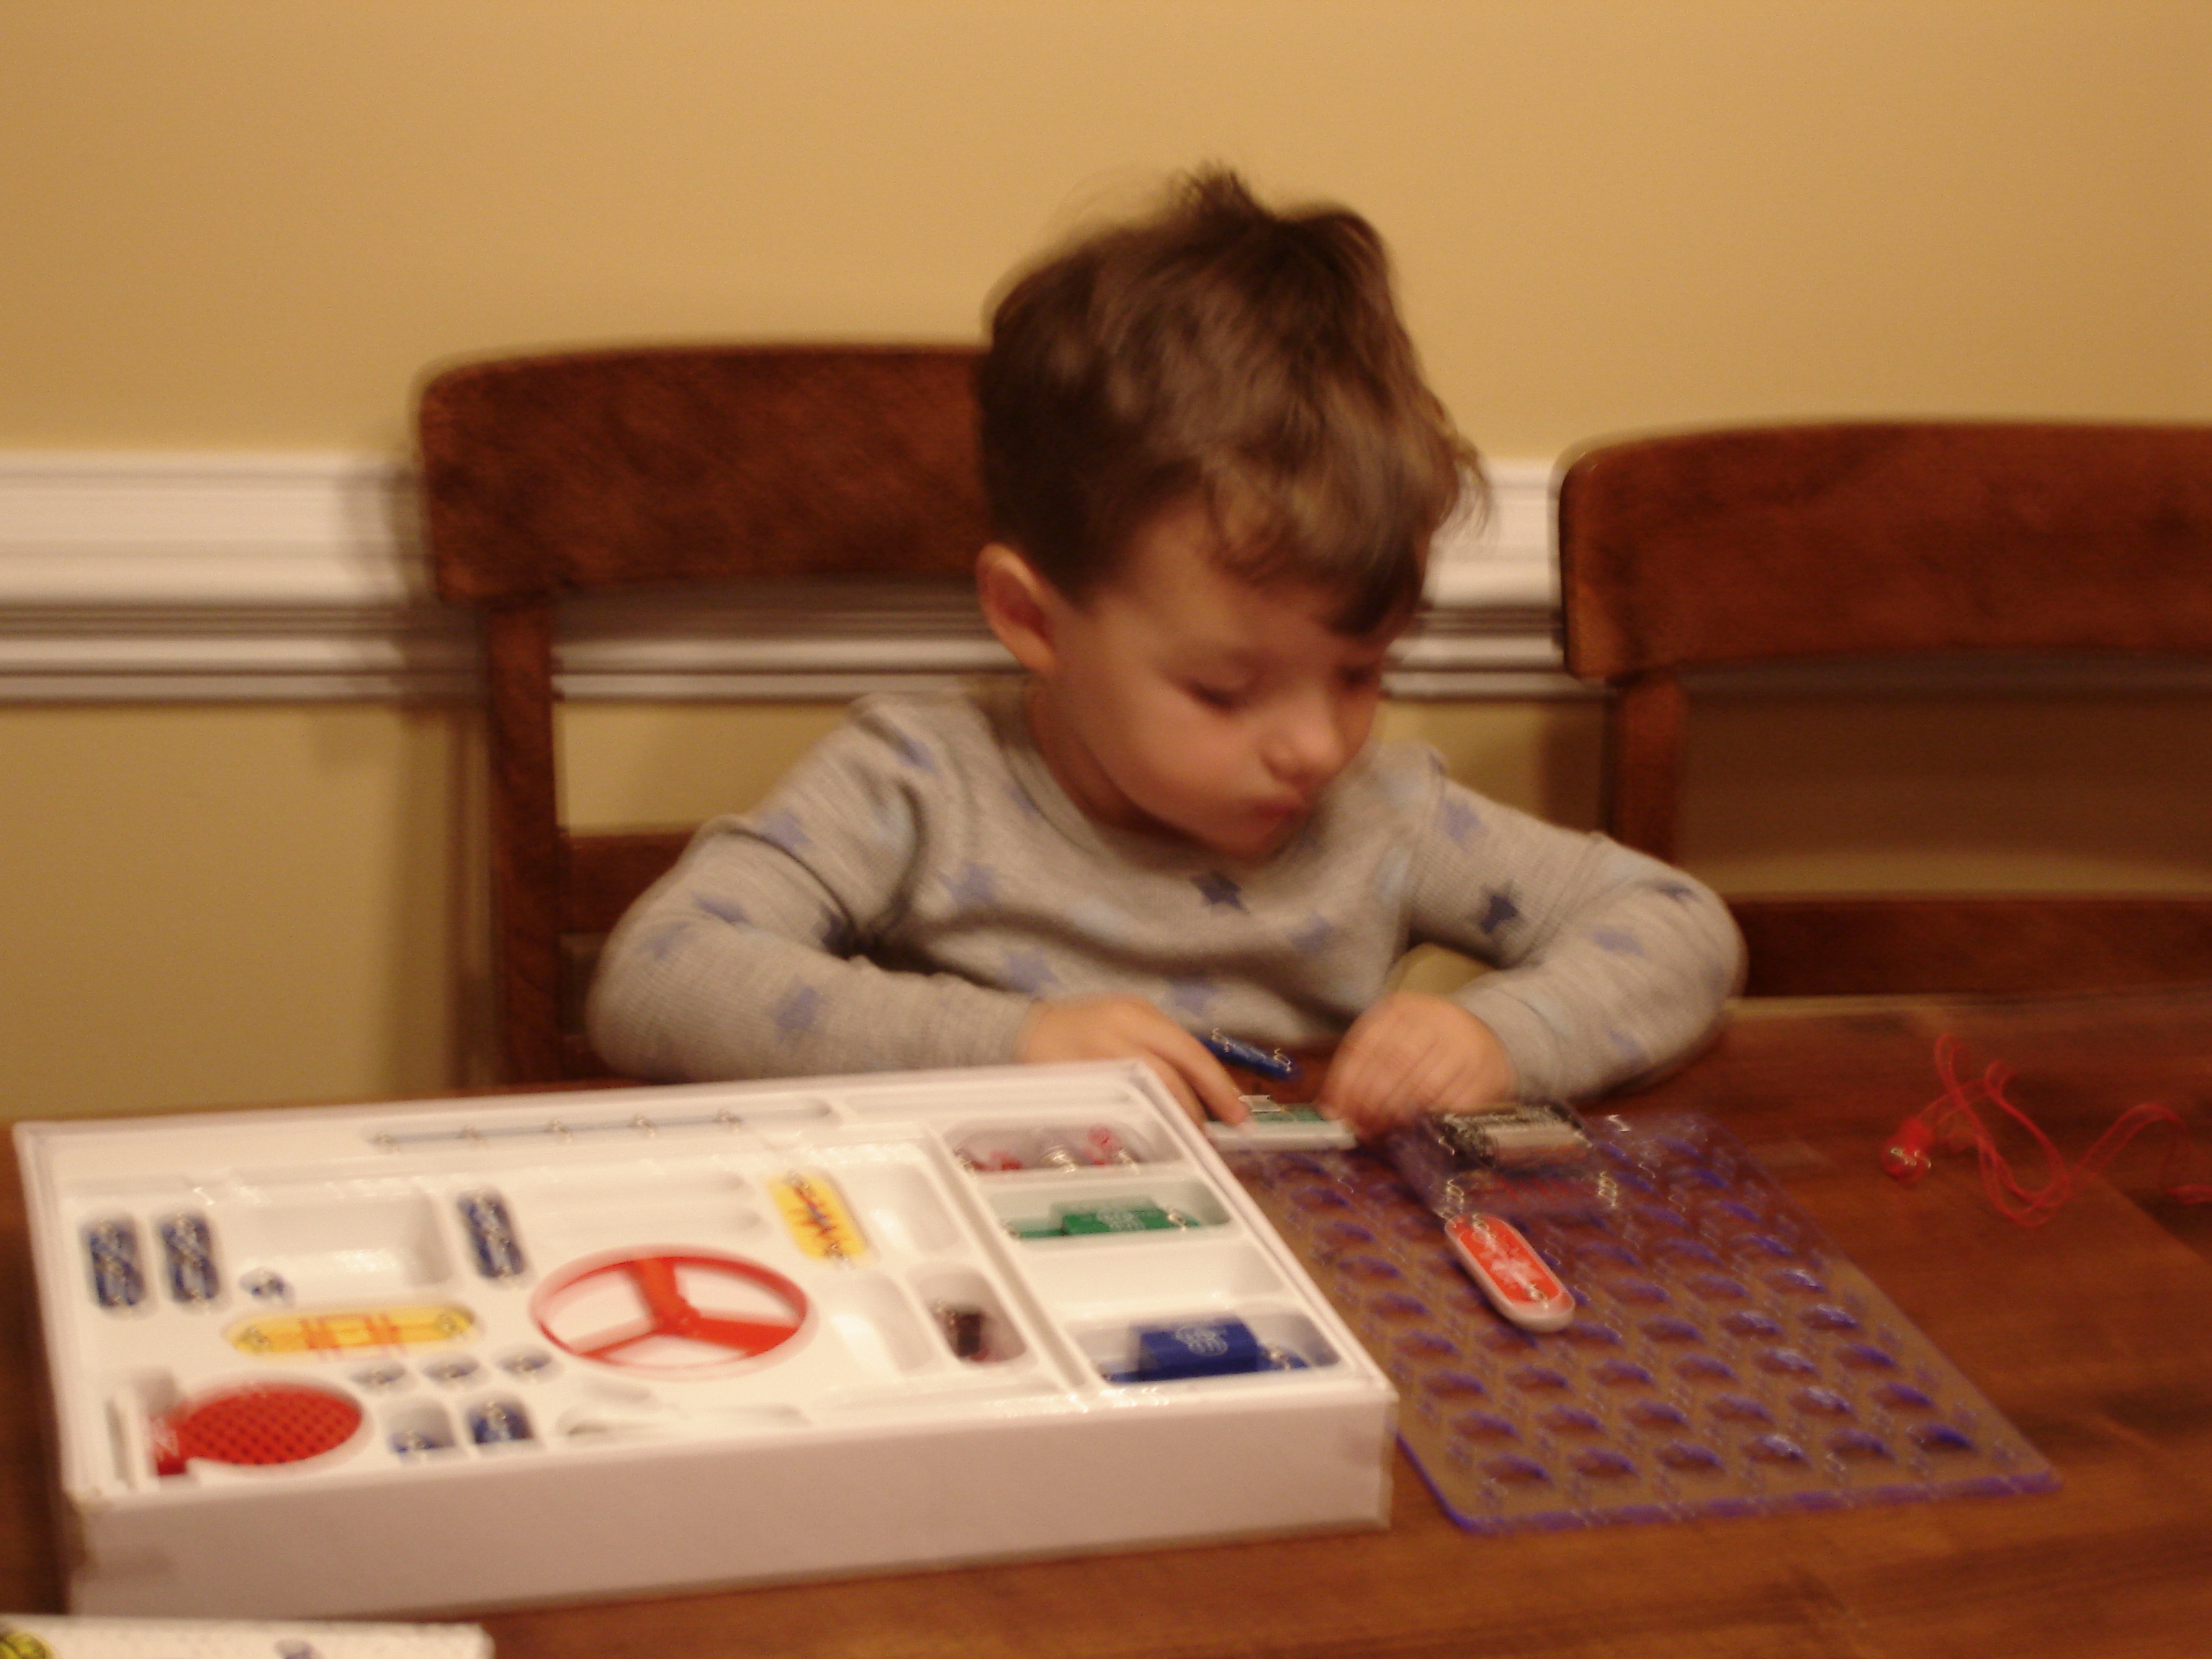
<point>1019,605</point>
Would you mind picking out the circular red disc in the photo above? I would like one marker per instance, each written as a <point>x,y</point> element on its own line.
<point>263,1422</point>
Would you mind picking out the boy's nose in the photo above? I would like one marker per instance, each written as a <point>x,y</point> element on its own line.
<point>1307,746</point>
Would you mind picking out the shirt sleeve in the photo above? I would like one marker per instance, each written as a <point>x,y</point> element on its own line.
<point>745,960</point>
<point>1609,964</point>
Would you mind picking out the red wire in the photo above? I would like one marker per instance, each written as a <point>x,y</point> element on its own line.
<point>1952,1121</point>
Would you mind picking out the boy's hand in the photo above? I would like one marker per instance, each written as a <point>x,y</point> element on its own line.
<point>1129,1028</point>
<point>1410,1054</point>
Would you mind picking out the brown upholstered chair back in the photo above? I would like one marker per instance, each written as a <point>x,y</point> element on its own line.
<point>1725,547</point>
<point>548,475</point>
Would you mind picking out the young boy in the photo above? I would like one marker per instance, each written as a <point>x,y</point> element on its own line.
<point>1215,473</point>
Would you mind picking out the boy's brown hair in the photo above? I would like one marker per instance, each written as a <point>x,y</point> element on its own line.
<point>1220,352</point>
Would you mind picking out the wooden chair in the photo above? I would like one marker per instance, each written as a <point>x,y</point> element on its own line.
<point>545,476</point>
<point>1725,547</point>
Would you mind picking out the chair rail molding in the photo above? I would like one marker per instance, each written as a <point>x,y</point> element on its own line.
<point>238,577</point>
<point>172,577</point>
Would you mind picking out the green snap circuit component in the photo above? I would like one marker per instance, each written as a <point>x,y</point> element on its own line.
<point>1138,1216</point>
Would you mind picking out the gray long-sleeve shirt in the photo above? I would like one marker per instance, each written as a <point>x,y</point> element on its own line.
<point>920,880</point>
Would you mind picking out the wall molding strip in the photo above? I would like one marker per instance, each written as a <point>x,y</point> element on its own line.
<point>285,577</point>
<point>165,578</point>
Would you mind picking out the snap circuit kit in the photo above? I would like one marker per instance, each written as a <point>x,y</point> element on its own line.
<point>467,1353</point>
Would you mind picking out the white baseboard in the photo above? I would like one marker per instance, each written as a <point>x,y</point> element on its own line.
<point>229,577</point>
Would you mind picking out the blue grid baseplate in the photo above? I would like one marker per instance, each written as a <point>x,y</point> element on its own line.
<point>1724,1358</point>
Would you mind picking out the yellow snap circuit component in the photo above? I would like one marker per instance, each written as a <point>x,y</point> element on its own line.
<point>337,1335</point>
<point>818,1218</point>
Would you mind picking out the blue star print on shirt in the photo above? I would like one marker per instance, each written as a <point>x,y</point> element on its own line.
<point>1499,912</point>
<point>1619,942</point>
<point>797,1014</point>
<point>1458,819</point>
<point>781,828</point>
<point>1026,970</point>
<point>1194,995</point>
<point>1218,891</point>
<point>973,888</point>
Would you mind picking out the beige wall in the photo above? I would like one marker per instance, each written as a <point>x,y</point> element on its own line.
<point>250,224</point>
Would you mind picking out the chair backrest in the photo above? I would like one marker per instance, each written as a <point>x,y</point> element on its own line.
<point>1725,547</point>
<point>548,475</point>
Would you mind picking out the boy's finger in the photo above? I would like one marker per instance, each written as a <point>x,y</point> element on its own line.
<point>1364,1078</point>
<point>1186,1096</point>
<point>1209,1077</point>
<point>1378,1090</point>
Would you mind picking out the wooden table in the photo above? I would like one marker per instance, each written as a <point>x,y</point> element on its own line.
<point>2093,1333</point>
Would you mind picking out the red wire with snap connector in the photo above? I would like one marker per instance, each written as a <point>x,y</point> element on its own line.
<point>1951,1122</point>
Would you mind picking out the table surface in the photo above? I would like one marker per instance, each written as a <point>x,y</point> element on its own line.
<point>2093,1333</point>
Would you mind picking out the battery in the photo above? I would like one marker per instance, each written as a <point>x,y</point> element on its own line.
<point>111,1246</point>
<point>1519,1138</point>
<point>188,1250</point>
<point>496,1422</point>
<point>491,1234</point>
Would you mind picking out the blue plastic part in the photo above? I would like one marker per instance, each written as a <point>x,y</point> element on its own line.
<point>1235,1051</point>
<point>189,1249</point>
<point>1199,1347</point>
<point>111,1247</point>
<point>491,1235</point>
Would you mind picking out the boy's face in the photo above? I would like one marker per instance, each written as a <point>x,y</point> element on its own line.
<point>1183,699</point>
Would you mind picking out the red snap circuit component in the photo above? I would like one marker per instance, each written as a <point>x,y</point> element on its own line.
<point>1512,1275</point>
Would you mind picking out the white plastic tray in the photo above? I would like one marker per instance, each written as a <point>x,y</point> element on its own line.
<point>464,1353</point>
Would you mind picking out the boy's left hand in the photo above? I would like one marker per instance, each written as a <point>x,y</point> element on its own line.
<point>1410,1053</point>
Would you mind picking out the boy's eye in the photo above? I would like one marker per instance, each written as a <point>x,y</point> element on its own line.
<point>1219,696</point>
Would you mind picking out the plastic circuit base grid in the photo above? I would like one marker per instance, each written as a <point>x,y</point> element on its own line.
<point>1725,1360</point>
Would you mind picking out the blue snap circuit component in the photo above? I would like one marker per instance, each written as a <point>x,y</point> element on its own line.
<point>1235,1051</point>
<point>188,1250</point>
<point>1202,1347</point>
<point>111,1246</point>
<point>491,1235</point>
<point>498,1422</point>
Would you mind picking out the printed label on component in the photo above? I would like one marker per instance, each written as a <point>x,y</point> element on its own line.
<point>337,1333</point>
<point>818,1218</point>
<point>1512,1275</point>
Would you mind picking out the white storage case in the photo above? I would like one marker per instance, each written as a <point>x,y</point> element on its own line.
<point>472,1352</point>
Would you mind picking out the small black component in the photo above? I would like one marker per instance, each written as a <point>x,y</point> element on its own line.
<point>967,1329</point>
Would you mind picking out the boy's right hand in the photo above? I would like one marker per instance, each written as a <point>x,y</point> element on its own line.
<point>1130,1028</point>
